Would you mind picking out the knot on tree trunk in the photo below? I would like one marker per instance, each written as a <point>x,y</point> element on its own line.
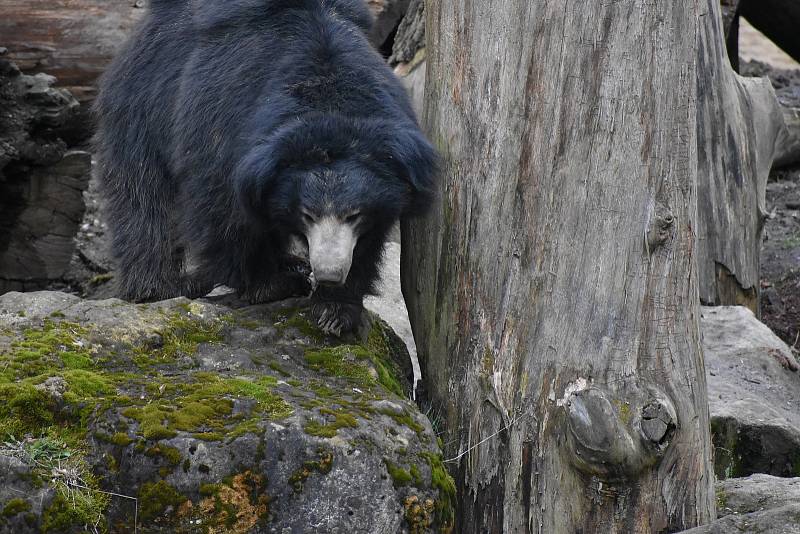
<point>660,227</point>
<point>613,437</point>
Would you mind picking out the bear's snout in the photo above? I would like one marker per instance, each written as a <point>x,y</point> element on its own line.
<point>330,250</point>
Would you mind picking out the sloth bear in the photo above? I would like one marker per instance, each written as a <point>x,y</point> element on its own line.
<point>229,131</point>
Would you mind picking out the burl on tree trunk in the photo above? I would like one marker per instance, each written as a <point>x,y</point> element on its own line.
<point>553,289</point>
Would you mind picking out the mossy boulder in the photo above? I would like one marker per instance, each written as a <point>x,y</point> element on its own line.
<point>208,416</point>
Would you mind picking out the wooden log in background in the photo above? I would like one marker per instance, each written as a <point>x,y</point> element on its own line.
<point>74,40</point>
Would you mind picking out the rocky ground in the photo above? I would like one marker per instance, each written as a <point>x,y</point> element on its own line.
<point>208,416</point>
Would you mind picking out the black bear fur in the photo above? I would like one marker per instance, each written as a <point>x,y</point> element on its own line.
<point>220,122</point>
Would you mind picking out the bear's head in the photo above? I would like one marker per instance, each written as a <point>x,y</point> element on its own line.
<point>337,181</point>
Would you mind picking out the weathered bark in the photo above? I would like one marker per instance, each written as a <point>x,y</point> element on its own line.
<point>777,19</point>
<point>730,12</point>
<point>553,289</point>
<point>41,182</point>
<point>740,129</point>
<point>408,53</point>
<point>410,37</point>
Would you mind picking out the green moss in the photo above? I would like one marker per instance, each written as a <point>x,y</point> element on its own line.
<point>182,335</point>
<point>68,512</point>
<point>404,418</point>
<point>442,481</point>
<point>207,489</point>
<point>206,405</point>
<point>624,410</point>
<point>341,361</point>
<point>87,384</point>
<point>209,436</point>
<point>15,506</point>
<point>322,465</point>
<point>350,361</point>
<point>380,345</point>
<point>57,315</point>
<point>400,477</point>
<point>54,345</point>
<point>155,498</point>
<point>275,366</point>
<point>297,318</point>
<point>727,454</point>
<point>342,419</point>
<point>722,499</point>
<point>24,409</point>
<point>415,475</point>
<point>170,454</point>
<point>119,439</point>
<point>100,279</point>
<point>795,461</point>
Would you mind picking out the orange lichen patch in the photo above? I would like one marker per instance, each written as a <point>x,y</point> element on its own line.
<point>185,510</point>
<point>419,515</point>
<point>231,508</point>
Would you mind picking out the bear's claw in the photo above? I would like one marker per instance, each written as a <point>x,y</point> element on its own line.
<point>337,318</point>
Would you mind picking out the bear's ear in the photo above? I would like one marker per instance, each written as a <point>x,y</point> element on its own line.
<point>412,158</point>
<point>255,176</point>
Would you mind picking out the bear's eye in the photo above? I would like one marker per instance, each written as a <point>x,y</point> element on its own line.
<point>308,218</point>
<point>353,217</point>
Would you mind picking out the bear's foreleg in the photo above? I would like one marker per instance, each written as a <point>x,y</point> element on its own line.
<point>268,279</point>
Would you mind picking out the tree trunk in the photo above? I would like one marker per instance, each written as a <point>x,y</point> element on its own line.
<point>740,130</point>
<point>553,289</point>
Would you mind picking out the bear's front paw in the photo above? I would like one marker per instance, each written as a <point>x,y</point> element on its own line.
<point>281,286</point>
<point>337,318</point>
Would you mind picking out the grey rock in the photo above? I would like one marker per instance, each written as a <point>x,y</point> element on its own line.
<point>755,494</point>
<point>41,180</point>
<point>753,392</point>
<point>208,415</point>
<point>783,520</point>
<point>54,387</point>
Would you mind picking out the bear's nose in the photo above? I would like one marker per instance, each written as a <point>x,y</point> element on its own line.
<point>330,250</point>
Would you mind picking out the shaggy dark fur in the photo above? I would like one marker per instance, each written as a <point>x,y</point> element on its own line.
<point>220,121</point>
